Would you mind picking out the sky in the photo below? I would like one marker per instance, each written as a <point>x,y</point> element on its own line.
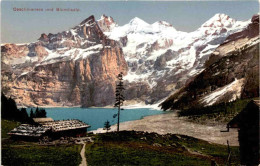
<point>27,26</point>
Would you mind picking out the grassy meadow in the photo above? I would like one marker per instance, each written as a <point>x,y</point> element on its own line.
<point>139,148</point>
<point>123,148</point>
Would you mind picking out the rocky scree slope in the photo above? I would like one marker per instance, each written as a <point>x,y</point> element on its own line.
<point>232,72</point>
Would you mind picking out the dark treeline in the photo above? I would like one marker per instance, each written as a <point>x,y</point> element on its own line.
<point>38,113</point>
<point>10,111</point>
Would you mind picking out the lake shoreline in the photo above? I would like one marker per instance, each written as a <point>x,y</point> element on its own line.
<point>169,122</point>
<point>96,117</point>
<point>131,106</point>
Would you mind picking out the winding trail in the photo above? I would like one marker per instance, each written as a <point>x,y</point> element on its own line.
<point>82,154</point>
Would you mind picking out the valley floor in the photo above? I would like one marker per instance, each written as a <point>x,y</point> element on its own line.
<point>117,148</point>
<point>171,123</point>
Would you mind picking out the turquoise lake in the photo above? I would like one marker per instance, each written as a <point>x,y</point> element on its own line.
<point>96,117</point>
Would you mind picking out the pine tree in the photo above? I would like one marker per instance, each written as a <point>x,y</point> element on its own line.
<point>9,109</point>
<point>23,115</point>
<point>107,126</point>
<point>31,114</point>
<point>37,113</point>
<point>43,113</point>
<point>119,96</point>
<point>4,107</point>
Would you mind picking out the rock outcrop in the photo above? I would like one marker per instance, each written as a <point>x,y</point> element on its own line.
<point>72,68</point>
<point>106,23</point>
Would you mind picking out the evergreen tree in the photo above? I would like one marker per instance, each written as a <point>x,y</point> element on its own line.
<point>4,106</point>
<point>44,113</point>
<point>8,108</point>
<point>37,113</point>
<point>107,126</point>
<point>31,114</point>
<point>119,96</point>
<point>23,115</point>
<point>14,112</point>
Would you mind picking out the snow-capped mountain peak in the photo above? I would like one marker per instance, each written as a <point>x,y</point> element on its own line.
<point>106,23</point>
<point>155,58</point>
<point>161,26</point>
<point>138,22</point>
<point>219,20</point>
<point>164,23</point>
<point>138,27</point>
<point>104,17</point>
<point>88,20</point>
<point>155,50</point>
<point>220,25</point>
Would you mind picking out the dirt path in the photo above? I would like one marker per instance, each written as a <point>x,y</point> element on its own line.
<point>82,154</point>
<point>171,123</point>
<point>196,152</point>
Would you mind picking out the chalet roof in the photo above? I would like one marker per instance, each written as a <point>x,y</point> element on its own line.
<point>65,125</point>
<point>250,114</point>
<point>29,130</point>
<point>45,125</point>
<point>40,120</point>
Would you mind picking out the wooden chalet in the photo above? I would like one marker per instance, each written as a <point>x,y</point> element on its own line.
<point>49,127</point>
<point>68,128</point>
<point>247,122</point>
<point>29,132</point>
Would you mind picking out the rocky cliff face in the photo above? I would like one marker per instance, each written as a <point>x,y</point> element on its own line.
<point>79,66</point>
<point>75,67</point>
<point>232,72</point>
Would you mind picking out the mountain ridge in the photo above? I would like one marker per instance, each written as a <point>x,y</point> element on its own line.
<point>229,75</point>
<point>154,67</point>
<point>74,69</point>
